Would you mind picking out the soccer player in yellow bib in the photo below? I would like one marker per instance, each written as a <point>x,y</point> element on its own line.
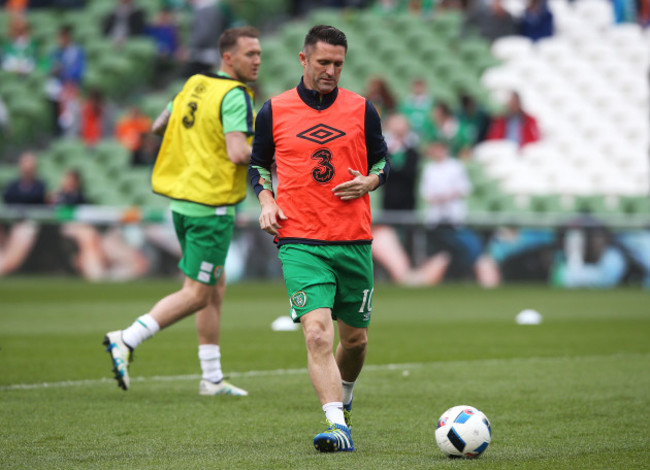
<point>201,166</point>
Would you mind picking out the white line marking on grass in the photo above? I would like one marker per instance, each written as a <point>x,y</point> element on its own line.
<point>281,372</point>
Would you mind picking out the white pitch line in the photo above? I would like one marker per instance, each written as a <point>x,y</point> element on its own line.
<point>281,372</point>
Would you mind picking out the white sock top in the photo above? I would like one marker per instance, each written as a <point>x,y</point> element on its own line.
<point>210,359</point>
<point>334,412</point>
<point>348,388</point>
<point>143,328</point>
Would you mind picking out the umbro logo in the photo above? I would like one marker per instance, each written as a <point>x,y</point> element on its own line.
<point>321,134</point>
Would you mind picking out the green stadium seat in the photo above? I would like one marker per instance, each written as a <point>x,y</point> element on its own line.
<point>12,88</point>
<point>64,150</point>
<point>142,52</point>
<point>112,197</point>
<point>426,44</point>
<point>112,156</point>
<point>476,172</point>
<point>598,204</point>
<point>151,7</point>
<point>7,173</point>
<point>464,83</point>
<point>472,48</point>
<point>404,23</point>
<point>447,24</point>
<point>486,189</point>
<point>96,11</point>
<point>154,200</point>
<point>282,65</point>
<point>293,35</point>
<point>638,205</point>
<point>96,48</point>
<point>441,91</point>
<point>152,105</point>
<point>476,204</point>
<point>553,203</point>
<point>352,82</point>
<point>116,75</point>
<point>273,49</point>
<point>500,203</point>
<point>85,32</point>
<point>44,25</point>
<point>448,68</point>
<point>327,16</point>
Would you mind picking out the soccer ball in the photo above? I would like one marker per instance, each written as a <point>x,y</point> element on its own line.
<point>463,431</point>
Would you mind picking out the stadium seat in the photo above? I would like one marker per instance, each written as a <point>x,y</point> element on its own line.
<point>476,204</point>
<point>293,35</point>
<point>447,24</point>
<point>511,47</point>
<point>514,7</point>
<point>115,74</point>
<point>597,13</point>
<point>327,16</point>
<point>472,49</point>
<point>113,157</point>
<point>596,205</point>
<point>8,172</point>
<point>67,149</point>
<point>153,104</point>
<point>97,11</point>
<point>635,205</point>
<point>552,203</point>
<point>501,79</point>
<point>491,150</point>
<point>405,22</point>
<point>554,50</point>
<point>141,52</point>
<point>98,47</point>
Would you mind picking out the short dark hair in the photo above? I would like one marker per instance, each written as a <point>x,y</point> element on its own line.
<point>326,34</point>
<point>228,39</point>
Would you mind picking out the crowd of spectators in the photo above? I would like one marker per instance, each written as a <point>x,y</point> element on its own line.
<point>87,250</point>
<point>422,127</point>
<point>461,126</point>
<point>429,139</point>
<point>86,111</point>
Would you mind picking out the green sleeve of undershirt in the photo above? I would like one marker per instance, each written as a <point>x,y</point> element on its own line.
<point>237,112</point>
<point>378,167</point>
<point>266,176</point>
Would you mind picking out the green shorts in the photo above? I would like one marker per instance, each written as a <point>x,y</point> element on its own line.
<point>338,277</point>
<point>204,243</point>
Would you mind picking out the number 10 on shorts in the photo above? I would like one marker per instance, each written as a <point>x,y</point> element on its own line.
<point>366,303</point>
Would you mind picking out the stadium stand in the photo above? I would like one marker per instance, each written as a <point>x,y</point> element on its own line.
<point>587,86</point>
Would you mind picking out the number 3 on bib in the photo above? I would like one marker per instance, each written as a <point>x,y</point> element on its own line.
<point>324,171</point>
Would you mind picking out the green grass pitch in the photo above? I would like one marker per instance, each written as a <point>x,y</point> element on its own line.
<point>570,393</point>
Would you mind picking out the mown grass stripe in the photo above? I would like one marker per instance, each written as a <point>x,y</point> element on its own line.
<point>367,368</point>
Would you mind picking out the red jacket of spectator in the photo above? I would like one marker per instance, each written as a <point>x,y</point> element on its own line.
<point>91,123</point>
<point>529,129</point>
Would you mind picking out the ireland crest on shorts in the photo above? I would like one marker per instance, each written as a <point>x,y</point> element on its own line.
<point>299,299</point>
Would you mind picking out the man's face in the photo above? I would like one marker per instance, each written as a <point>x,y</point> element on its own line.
<point>514,104</point>
<point>27,166</point>
<point>437,151</point>
<point>245,59</point>
<point>64,38</point>
<point>322,64</point>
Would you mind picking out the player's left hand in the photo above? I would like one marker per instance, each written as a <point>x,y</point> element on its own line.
<point>356,187</point>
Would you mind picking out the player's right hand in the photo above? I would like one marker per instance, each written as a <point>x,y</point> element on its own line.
<point>270,218</point>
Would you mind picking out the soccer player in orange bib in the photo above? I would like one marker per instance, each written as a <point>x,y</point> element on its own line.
<point>329,153</point>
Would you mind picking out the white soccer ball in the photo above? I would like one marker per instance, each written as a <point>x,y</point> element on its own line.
<point>463,431</point>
